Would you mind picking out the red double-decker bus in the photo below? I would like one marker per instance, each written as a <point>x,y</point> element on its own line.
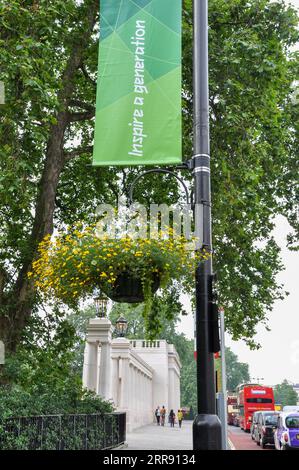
<point>232,408</point>
<point>251,398</point>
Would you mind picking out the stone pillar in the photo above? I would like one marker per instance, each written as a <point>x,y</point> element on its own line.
<point>144,403</point>
<point>121,349</point>
<point>141,396</point>
<point>115,381</point>
<point>134,395</point>
<point>174,367</point>
<point>98,369</point>
<point>90,366</point>
<point>145,399</point>
<point>124,384</point>
<point>171,390</point>
<point>178,392</point>
<point>150,400</point>
<point>104,379</point>
<point>152,397</point>
<point>99,332</point>
<point>137,396</point>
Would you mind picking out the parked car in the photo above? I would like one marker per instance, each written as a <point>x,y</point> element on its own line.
<point>265,428</point>
<point>286,435</point>
<point>254,424</point>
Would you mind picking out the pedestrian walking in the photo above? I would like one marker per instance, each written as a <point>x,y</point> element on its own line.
<point>163,415</point>
<point>158,415</point>
<point>172,418</point>
<point>180,417</point>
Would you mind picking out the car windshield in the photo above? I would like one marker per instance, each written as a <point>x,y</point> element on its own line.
<point>292,422</point>
<point>271,420</point>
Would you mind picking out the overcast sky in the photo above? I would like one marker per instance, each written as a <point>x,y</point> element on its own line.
<point>278,359</point>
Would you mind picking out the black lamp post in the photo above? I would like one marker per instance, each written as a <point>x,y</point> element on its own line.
<point>121,327</point>
<point>101,302</point>
<point>206,426</point>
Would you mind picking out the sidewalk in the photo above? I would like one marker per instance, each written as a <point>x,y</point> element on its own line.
<point>155,437</point>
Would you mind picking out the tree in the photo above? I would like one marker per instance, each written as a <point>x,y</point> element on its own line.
<point>49,67</point>
<point>188,377</point>
<point>79,320</point>
<point>133,315</point>
<point>42,60</point>
<point>170,309</point>
<point>43,376</point>
<point>236,372</point>
<point>253,140</point>
<point>284,394</point>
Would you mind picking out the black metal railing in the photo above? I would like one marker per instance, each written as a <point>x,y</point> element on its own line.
<point>63,432</point>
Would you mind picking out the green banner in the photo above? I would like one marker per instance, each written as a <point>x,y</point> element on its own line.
<point>138,112</point>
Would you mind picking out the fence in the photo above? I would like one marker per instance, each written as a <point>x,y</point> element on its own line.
<point>63,432</point>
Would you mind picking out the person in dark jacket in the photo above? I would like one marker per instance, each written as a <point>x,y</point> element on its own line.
<point>158,415</point>
<point>172,418</point>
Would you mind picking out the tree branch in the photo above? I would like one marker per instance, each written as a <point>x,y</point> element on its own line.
<point>76,117</point>
<point>82,104</point>
<point>77,152</point>
<point>3,279</point>
<point>87,76</point>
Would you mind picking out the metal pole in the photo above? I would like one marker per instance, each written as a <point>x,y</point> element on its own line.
<point>207,426</point>
<point>223,379</point>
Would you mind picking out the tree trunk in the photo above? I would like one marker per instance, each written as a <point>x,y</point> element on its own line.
<point>21,300</point>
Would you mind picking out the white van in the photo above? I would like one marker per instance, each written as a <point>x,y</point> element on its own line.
<point>290,408</point>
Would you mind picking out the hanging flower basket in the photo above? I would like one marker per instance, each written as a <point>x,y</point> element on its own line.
<point>129,289</point>
<point>129,270</point>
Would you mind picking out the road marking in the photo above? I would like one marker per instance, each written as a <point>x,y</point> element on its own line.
<point>231,445</point>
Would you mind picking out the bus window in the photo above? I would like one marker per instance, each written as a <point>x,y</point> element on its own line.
<point>259,400</point>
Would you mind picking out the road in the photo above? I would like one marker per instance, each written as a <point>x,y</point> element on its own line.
<point>242,440</point>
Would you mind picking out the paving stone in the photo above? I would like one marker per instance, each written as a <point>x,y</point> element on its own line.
<point>155,437</point>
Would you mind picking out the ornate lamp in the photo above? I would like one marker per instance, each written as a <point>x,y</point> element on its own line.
<point>100,302</point>
<point>121,327</point>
